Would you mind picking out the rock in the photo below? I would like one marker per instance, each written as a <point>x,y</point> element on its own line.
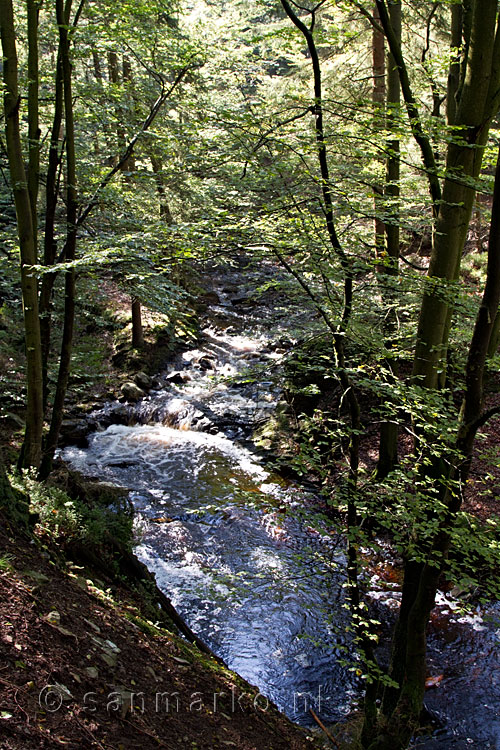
<point>241,301</point>
<point>110,659</point>
<point>178,377</point>
<point>204,424</point>
<point>11,421</point>
<point>143,381</point>
<point>37,576</point>
<point>211,298</point>
<point>73,432</point>
<point>131,391</point>
<point>180,413</point>
<point>206,363</point>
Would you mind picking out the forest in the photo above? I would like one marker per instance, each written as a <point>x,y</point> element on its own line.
<point>250,399</point>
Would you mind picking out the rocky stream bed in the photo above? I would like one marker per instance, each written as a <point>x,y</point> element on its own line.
<point>232,543</point>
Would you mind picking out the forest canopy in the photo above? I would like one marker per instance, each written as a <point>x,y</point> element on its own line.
<point>354,145</point>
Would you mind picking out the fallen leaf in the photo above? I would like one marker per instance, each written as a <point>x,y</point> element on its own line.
<point>180,661</point>
<point>433,681</point>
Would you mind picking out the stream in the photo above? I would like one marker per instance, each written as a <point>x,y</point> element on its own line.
<point>253,574</point>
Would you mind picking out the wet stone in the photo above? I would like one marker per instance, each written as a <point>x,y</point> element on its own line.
<point>207,363</point>
<point>178,377</point>
<point>131,391</point>
<point>143,381</point>
<point>73,432</point>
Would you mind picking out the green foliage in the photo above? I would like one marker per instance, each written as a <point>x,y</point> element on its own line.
<point>62,519</point>
<point>6,563</point>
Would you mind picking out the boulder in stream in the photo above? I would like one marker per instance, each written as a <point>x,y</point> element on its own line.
<point>143,381</point>
<point>207,363</point>
<point>131,391</point>
<point>180,413</point>
<point>74,432</point>
<point>178,377</point>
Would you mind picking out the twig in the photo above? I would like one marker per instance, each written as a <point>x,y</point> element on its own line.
<point>21,708</point>
<point>144,731</point>
<point>87,730</point>
<point>322,726</point>
<point>12,685</point>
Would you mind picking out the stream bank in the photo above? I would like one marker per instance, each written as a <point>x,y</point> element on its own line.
<point>227,540</point>
<point>87,662</point>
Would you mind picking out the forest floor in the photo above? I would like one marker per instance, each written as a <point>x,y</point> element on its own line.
<point>84,661</point>
<point>83,666</point>
<point>93,639</point>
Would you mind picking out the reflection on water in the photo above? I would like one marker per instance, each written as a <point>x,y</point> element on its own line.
<point>250,581</point>
<point>227,545</point>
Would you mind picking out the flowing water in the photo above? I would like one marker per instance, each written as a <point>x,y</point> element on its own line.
<point>230,544</point>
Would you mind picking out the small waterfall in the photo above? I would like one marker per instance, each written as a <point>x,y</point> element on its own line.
<point>229,542</point>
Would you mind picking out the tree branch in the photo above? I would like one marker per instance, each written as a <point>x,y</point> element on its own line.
<point>127,152</point>
<point>417,130</point>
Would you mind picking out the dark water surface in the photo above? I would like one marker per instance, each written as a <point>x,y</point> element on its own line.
<point>228,544</point>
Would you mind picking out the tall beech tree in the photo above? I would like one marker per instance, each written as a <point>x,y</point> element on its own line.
<point>389,251</point>
<point>443,469</point>
<point>477,100</point>
<point>25,196</point>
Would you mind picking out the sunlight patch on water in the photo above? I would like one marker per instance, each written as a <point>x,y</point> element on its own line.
<point>239,342</point>
<point>263,559</point>
<point>157,446</point>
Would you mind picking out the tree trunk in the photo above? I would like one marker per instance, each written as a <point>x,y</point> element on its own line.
<point>33,115</point>
<point>137,330</point>
<point>114,78</point>
<point>378,99</point>
<point>388,442</point>
<point>478,102</point>
<point>63,21</point>
<point>49,243</point>
<point>456,11</point>
<point>34,408</point>
<point>165,212</point>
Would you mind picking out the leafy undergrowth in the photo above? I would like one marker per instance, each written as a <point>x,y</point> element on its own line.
<point>85,666</point>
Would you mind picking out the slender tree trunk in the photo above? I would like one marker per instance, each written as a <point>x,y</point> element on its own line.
<point>137,330</point>
<point>33,115</point>
<point>27,242</point>
<point>478,102</point>
<point>495,336</point>
<point>114,78</point>
<point>363,641</point>
<point>378,99</point>
<point>49,244</point>
<point>388,444</point>
<point>165,212</point>
<point>99,78</point>
<point>52,194</point>
<point>128,167</point>
<point>63,20</point>
<point>456,11</point>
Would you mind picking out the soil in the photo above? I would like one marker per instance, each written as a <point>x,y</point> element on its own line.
<point>83,667</point>
<point>112,668</point>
